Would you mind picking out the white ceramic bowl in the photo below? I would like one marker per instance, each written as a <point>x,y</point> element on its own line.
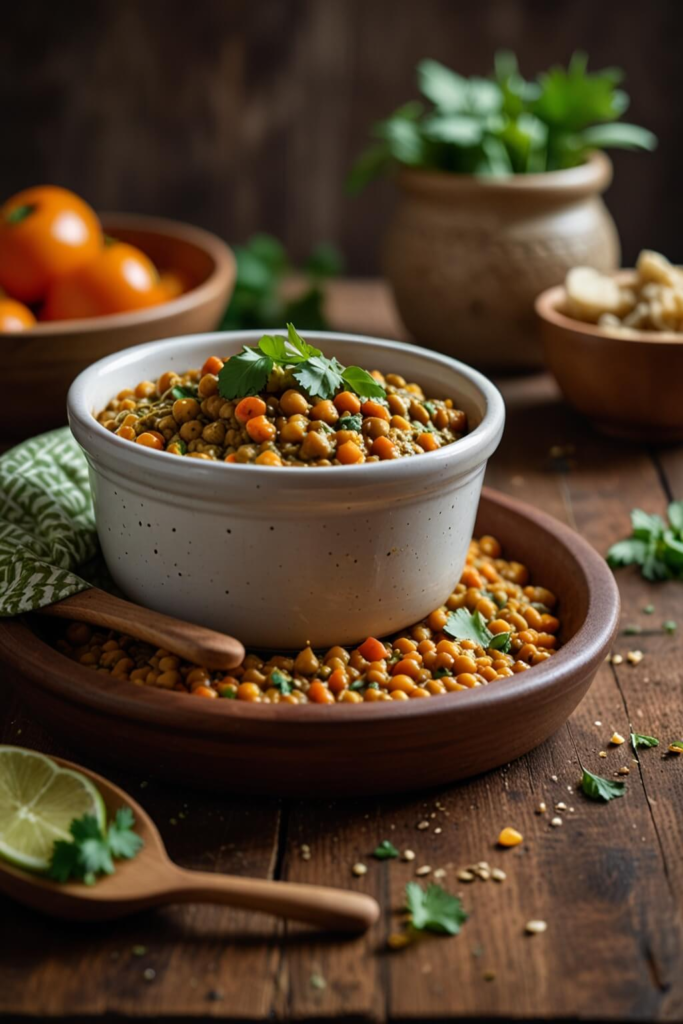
<point>281,557</point>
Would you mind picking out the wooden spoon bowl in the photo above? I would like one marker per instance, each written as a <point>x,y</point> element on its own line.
<point>314,750</point>
<point>151,879</point>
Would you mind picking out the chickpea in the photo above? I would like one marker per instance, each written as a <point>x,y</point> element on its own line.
<point>293,403</point>
<point>208,385</point>
<point>375,427</point>
<point>306,663</point>
<point>294,431</point>
<point>315,446</point>
<point>214,433</point>
<point>326,412</point>
<point>185,410</point>
<point>191,429</point>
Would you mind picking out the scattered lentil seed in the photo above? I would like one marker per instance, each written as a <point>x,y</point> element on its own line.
<point>482,874</point>
<point>556,822</point>
<point>617,659</point>
<point>510,837</point>
<point>318,982</point>
<point>498,875</point>
<point>598,724</point>
<point>465,876</point>
<point>535,927</point>
<point>561,806</point>
<point>438,831</point>
<point>603,753</point>
<point>149,974</point>
<point>634,657</point>
<point>617,739</point>
<point>541,809</point>
<point>422,825</point>
<point>489,975</point>
<point>408,855</point>
<point>424,870</point>
<point>440,873</point>
<point>398,940</point>
<point>359,870</point>
<point>554,778</point>
<point>623,770</point>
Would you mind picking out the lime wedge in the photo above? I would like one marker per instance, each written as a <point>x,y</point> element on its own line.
<point>38,802</point>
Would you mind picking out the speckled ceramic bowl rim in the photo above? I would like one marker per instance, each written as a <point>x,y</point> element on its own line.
<point>224,268</point>
<point>548,308</point>
<point>470,451</point>
<point>176,712</point>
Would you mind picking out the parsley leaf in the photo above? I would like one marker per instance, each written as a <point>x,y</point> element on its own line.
<point>182,391</point>
<point>362,382</point>
<point>244,374</point>
<point>276,347</point>
<point>92,853</point>
<point>301,347</point>
<point>385,851</point>
<point>638,740</point>
<point>434,910</point>
<point>597,788</point>
<point>319,376</point>
<point>465,625</point>
<point>654,545</point>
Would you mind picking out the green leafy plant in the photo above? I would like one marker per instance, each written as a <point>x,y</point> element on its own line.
<point>655,545</point>
<point>260,298</point>
<point>92,852</point>
<point>434,909</point>
<point>466,625</point>
<point>247,372</point>
<point>503,124</point>
<point>385,851</point>
<point>597,788</point>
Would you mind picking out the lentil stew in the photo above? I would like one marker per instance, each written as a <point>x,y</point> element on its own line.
<point>354,417</point>
<point>512,618</point>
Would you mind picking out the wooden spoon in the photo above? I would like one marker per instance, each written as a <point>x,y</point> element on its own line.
<point>197,644</point>
<point>151,879</point>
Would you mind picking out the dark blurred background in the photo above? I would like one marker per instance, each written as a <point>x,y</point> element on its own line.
<point>244,115</point>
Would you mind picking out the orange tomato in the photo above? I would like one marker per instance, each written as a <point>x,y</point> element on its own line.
<point>14,316</point>
<point>45,232</point>
<point>120,278</point>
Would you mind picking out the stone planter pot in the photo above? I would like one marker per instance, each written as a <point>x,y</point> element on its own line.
<point>466,256</point>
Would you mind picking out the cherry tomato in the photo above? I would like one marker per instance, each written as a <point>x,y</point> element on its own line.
<point>45,232</point>
<point>14,316</point>
<point>120,278</point>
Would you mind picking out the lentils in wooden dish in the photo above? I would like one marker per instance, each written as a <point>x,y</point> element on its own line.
<point>313,412</point>
<point>510,623</point>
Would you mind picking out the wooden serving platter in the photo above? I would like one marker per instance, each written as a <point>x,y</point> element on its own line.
<point>316,750</point>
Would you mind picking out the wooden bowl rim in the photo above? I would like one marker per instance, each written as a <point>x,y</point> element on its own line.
<point>176,712</point>
<point>547,303</point>
<point>222,276</point>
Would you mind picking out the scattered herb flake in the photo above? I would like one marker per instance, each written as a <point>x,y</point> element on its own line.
<point>597,788</point>
<point>385,851</point>
<point>350,422</point>
<point>92,853</point>
<point>669,626</point>
<point>434,909</point>
<point>639,740</point>
<point>648,609</point>
<point>280,681</point>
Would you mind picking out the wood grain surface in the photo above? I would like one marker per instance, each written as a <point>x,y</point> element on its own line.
<point>608,882</point>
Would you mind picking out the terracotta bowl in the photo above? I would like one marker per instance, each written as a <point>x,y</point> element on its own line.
<point>43,362</point>
<point>321,751</point>
<point>627,384</point>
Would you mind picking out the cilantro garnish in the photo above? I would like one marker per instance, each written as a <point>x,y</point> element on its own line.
<point>465,625</point>
<point>638,740</point>
<point>181,391</point>
<point>385,851</point>
<point>350,422</point>
<point>247,372</point>
<point>597,788</point>
<point>654,545</point>
<point>434,910</point>
<point>439,673</point>
<point>280,681</point>
<point>92,852</point>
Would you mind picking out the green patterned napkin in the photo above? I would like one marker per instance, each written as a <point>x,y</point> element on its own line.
<point>47,526</point>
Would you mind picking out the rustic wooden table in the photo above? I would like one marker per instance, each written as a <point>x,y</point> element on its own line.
<point>609,882</point>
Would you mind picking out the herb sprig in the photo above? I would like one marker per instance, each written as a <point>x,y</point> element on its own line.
<point>655,545</point>
<point>466,625</point>
<point>597,788</point>
<point>92,851</point>
<point>247,373</point>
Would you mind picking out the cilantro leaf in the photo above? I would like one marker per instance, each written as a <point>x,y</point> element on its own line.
<point>639,740</point>
<point>597,788</point>
<point>645,526</point>
<point>439,673</point>
<point>362,382</point>
<point>385,851</point>
<point>65,863</point>
<point>182,391</point>
<point>244,374</point>
<point>675,513</point>
<point>434,910</point>
<point>276,348</point>
<point>123,842</point>
<point>319,376</point>
<point>301,347</point>
<point>465,625</point>
<point>627,552</point>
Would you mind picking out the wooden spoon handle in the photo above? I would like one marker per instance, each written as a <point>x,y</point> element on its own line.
<point>335,909</point>
<point>202,646</point>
